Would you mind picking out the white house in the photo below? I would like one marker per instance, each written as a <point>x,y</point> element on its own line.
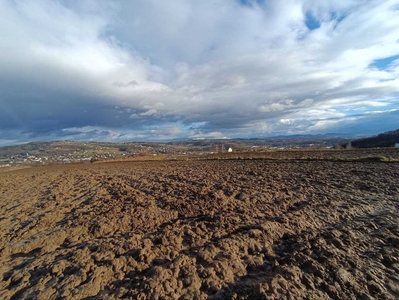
<point>230,150</point>
<point>396,145</point>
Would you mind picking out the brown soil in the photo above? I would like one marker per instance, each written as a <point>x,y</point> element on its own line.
<point>217,229</point>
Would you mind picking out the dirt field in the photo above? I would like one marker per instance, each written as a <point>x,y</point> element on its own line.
<point>214,229</point>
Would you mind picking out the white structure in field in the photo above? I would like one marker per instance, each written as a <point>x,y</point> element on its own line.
<point>230,150</point>
<point>396,145</point>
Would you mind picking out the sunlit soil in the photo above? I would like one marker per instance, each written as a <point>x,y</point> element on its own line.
<point>245,228</point>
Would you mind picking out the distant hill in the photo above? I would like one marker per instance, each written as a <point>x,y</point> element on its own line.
<point>281,141</point>
<point>74,149</point>
<point>386,139</point>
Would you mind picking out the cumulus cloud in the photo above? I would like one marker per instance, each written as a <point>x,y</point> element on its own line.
<point>196,69</point>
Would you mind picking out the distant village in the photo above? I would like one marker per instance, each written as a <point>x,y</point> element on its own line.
<point>66,152</point>
<point>74,152</point>
<point>60,155</point>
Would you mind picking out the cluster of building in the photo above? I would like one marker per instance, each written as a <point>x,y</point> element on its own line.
<point>27,159</point>
<point>60,156</point>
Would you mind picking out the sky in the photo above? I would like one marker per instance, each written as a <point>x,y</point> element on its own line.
<point>152,70</point>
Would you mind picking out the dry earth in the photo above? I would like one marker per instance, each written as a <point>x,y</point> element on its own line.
<point>217,229</point>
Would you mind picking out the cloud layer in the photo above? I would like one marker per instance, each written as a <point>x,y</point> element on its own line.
<point>159,70</point>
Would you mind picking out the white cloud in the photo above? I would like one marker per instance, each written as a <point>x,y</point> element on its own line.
<point>149,112</point>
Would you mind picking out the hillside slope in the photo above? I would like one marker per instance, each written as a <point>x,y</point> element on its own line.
<point>386,139</point>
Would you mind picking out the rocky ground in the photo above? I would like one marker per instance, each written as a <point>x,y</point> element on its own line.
<point>214,229</point>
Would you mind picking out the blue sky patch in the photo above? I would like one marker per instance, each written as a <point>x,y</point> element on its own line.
<point>383,63</point>
<point>311,22</point>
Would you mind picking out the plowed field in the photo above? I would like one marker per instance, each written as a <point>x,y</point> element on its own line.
<point>217,229</point>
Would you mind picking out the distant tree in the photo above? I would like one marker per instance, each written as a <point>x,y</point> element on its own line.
<point>386,139</point>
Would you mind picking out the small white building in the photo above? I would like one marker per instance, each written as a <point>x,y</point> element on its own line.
<point>230,150</point>
<point>396,145</point>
